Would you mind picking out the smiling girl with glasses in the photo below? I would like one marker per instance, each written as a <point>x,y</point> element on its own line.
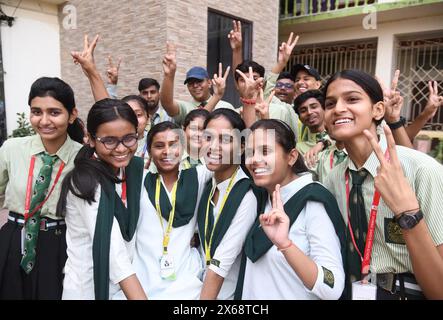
<point>101,201</point>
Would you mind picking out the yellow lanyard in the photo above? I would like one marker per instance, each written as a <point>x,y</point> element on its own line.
<point>225,197</point>
<point>171,214</point>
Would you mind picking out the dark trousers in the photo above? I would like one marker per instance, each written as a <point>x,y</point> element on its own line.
<point>45,281</point>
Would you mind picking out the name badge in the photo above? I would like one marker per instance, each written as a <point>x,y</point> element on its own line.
<point>167,269</point>
<point>364,291</point>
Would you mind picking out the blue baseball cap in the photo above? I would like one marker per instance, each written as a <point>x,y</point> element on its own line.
<point>196,73</point>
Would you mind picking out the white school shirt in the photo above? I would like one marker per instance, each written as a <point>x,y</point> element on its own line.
<point>80,220</point>
<point>149,250</point>
<point>271,277</point>
<point>228,252</point>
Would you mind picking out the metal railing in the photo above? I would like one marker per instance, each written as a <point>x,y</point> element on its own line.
<point>302,8</point>
<point>333,57</point>
<point>419,61</point>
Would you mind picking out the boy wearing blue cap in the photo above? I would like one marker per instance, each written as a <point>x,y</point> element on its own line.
<point>199,85</point>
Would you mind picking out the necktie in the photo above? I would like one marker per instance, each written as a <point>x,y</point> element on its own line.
<point>210,217</point>
<point>202,105</point>
<point>321,135</point>
<point>32,225</point>
<point>340,155</point>
<point>358,222</point>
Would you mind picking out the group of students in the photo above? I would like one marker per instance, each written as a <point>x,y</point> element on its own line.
<point>190,207</point>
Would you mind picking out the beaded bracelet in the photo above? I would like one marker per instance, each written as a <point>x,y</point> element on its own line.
<point>248,101</point>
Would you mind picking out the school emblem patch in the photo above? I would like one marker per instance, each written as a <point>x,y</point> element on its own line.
<point>393,232</point>
<point>328,277</point>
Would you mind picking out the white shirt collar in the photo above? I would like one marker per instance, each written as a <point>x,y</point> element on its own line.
<point>287,191</point>
<point>222,186</point>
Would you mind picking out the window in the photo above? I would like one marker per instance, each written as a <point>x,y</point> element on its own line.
<point>219,49</point>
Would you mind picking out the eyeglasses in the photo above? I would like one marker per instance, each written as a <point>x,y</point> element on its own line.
<point>111,143</point>
<point>281,85</point>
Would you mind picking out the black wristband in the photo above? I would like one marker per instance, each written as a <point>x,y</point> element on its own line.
<point>395,125</point>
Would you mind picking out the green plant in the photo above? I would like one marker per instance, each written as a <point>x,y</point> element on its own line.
<point>24,127</point>
<point>437,153</point>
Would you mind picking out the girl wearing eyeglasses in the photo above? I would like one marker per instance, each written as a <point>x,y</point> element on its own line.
<point>32,242</point>
<point>101,201</point>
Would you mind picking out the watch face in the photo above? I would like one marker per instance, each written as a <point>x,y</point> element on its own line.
<point>406,221</point>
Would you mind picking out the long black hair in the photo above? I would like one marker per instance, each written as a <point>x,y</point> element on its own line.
<point>367,82</point>
<point>285,137</point>
<point>62,92</point>
<point>88,172</point>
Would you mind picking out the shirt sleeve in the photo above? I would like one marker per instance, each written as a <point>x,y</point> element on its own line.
<point>325,252</point>
<point>183,109</point>
<point>4,164</point>
<point>112,90</point>
<point>120,266</point>
<point>429,191</point>
<point>271,80</point>
<point>232,243</point>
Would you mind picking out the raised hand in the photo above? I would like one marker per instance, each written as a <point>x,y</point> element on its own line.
<point>434,100</point>
<point>285,49</point>
<point>112,71</point>
<point>392,99</point>
<point>86,57</point>
<point>235,36</point>
<point>262,105</point>
<point>390,173</point>
<point>252,86</point>
<point>275,223</point>
<point>169,60</point>
<point>219,81</point>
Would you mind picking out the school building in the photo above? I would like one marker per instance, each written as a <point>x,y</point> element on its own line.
<point>378,36</point>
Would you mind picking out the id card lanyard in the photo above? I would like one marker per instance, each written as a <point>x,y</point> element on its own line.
<point>225,197</point>
<point>366,257</point>
<point>167,233</point>
<point>28,214</point>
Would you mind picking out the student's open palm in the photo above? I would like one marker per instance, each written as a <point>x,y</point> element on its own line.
<point>275,223</point>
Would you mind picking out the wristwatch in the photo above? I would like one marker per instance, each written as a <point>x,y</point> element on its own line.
<point>400,123</point>
<point>409,220</point>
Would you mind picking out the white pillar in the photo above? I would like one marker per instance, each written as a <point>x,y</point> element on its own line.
<point>385,57</point>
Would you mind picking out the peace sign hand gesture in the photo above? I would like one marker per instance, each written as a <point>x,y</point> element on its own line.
<point>86,57</point>
<point>434,101</point>
<point>390,173</point>
<point>219,81</point>
<point>170,60</point>
<point>392,99</point>
<point>252,86</point>
<point>285,50</point>
<point>235,36</point>
<point>262,105</point>
<point>112,71</point>
<point>275,223</point>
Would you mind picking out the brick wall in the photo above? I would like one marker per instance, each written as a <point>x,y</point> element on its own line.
<point>137,31</point>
